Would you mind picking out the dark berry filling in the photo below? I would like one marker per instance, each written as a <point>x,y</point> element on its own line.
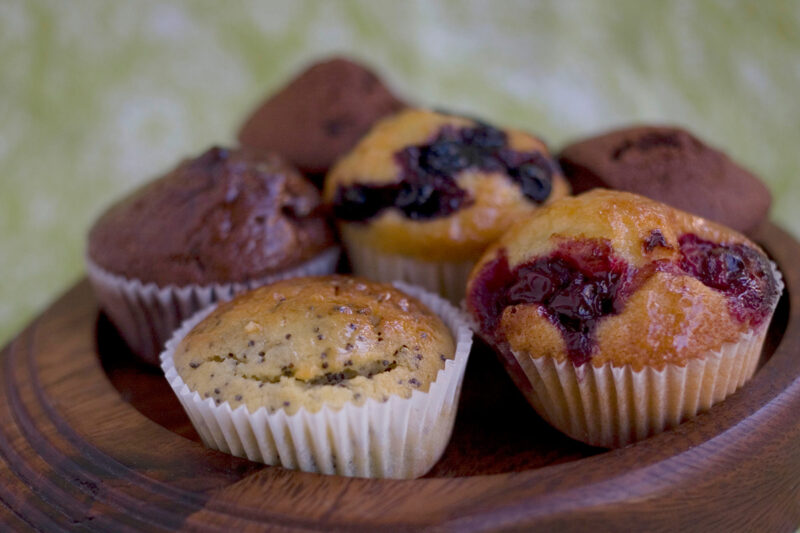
<point>576,285</point>
<point>427,187</point>
<point>743,274</point>
<point>655,240</point>
<point>583,281</point>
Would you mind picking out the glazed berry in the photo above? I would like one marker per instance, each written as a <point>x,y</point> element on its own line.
<point>427,187</point>
<point>534,177</point>
<point>444,157</point>
<point>577,285</point>
<point>739,271</point>
<point>654,240</point>
<point>583,281</point>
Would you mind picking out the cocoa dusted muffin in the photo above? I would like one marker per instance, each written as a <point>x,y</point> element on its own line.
<point>424,193</point>
<point>217,224</point>
<point>309,342</point>
<point>619,317</point>
<point>320,114</point>
<point>331,374</point>
<point>673,166</point>
<point>224,216</point>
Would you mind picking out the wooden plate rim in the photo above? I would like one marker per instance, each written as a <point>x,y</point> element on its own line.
<point>550,493</point>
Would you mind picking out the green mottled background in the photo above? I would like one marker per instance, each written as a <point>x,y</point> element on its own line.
<point>96,97</point>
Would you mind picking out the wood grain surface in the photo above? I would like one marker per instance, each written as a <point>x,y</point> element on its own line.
<point>91,440</point>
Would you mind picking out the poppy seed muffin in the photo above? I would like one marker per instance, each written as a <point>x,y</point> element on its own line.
<point>670,165</point>
<point>424,193</point>
<point>217,224</point>
<point>618,316</point>
<point>309,342</point>
<point>333,374</point>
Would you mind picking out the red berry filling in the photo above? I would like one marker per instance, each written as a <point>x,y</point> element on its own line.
<point>576,285</point>
<point>427,188</point>
<point>742,273</point>
<point>583,281</point>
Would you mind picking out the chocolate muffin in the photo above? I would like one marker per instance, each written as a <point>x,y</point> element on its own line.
<point>328,374</point>
<point>216,224</point>
<point>225,216</point>
<point>670,165</point>
<point>320,114</point>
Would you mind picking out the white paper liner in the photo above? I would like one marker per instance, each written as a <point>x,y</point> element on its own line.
<point>612,406</point>
<point>398,438</point>
<point>146,315</point>
<point>447,278</point>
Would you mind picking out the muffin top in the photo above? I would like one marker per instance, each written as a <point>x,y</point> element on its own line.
<point>670,165</point>
<point>613,277</point>
<point>438,186</point>
<point>320,114</point>
<point>309,342</point>
<point>224,216</point>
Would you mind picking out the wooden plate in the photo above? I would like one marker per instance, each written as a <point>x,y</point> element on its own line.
<point>89,439</point>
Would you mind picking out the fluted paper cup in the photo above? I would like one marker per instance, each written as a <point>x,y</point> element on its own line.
<point>397,438</point>
<point>146,315</point>
<point>612,406</point>
<point>447,278</point>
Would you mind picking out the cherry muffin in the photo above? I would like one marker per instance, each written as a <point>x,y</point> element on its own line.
<point>217,224</point>
<point>619,317</point>
<point>424,193</point>
<point>332,374</point>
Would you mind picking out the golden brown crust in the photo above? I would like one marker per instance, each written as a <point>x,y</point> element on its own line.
<point>312,342</point>
<point>464,234</point>
<point>625,219</point>
<point>671,318</point>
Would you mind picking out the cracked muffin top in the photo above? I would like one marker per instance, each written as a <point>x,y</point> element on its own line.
<point>670,165</point>
<point>439,186</point>
<point>309,342</point>
<point>320,114</point>
<point>224,216</point>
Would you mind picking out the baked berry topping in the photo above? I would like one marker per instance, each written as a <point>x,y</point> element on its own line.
<point>427,188</point>
<point>583,281</point>
<point>742,273</point>
<point>655,240</point>
<point>576,286</point>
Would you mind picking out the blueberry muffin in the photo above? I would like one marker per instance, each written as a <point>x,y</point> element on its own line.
<point>329,354</point>
<point>619,317</point>
<point>673,166</point>
<point>218,223</point>
<point>320,115</point>
<point>424,193</point>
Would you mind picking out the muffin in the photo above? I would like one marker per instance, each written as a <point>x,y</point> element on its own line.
<point>670,165</point>
<point>618,316</point>
<point>320,114</point>
<point>217,224</point>
<point>328,374</point>
<point>424,193</point>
